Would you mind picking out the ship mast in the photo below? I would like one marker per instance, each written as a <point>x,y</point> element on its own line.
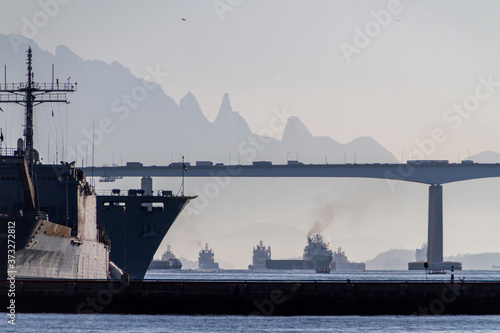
<point>30,94</point>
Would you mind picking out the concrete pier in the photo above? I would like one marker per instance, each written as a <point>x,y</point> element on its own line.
<point>435,228</point>
<point>264,298</point>
<point>435,236</point>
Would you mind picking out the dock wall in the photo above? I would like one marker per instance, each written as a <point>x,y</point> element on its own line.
<point>254,298</point>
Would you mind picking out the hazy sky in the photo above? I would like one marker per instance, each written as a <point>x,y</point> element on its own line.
<point>414,75</point>
<point>392,70</point>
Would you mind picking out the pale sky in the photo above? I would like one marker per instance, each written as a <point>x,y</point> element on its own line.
<point>414,75</point>
<point>395,82</point>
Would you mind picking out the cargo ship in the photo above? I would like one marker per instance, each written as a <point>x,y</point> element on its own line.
<point>343,264</point>
<point>47,212</point>
<point>168,261</point>
<point>317,255</point>
<point>206,259</point>
<point>260,255</point>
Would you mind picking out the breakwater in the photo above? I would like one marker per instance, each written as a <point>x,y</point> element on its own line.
<point>264,298</point>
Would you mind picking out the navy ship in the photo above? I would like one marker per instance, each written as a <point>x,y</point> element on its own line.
<point>32,192</point>
<point>317,256</point>
<point>206,259</point>
<point>47,212</point>
<point>343,264</point>
<point>136,223</point>
<point>260,255</point>
<point>168,261</point>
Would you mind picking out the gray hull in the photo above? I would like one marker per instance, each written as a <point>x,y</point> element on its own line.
<point>64,244</point>
<point>51,254</point>
<point>136,226</point>
<point>307,264</point>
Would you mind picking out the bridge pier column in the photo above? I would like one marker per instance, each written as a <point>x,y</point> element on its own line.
<point>435,231</point>
<point>435,235</point>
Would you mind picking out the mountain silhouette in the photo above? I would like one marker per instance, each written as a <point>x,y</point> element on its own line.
<point>135,118</point>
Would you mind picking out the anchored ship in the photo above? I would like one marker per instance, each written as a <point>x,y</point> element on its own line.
<point>422,263</point>
<point>168,261</point>
<point>206,259</point>
<point>421,254</point>
<point>260,255</point>
<point>54,208</point>
<point>342,263</point>
<point>317,255</point>
<point>47,212</point>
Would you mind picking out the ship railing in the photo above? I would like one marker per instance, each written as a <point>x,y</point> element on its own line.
<point>134,192</point>
<point>11,152</point>
<point>39,86</point>
<point>39,215</point>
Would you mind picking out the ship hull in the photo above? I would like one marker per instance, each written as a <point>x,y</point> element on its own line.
<point>51,252</point>
<point>209,266</point>
<point>349,266</point>
<point>162,264</point>
<point>305,264</point>
<point>59,241</point>
<point>136,226</point>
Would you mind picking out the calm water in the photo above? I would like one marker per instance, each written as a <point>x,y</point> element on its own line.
<point>276,275</point>
<point>141,323</point>
<point>166,323</point>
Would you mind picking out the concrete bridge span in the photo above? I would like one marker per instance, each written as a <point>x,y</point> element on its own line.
<point>431,172</point>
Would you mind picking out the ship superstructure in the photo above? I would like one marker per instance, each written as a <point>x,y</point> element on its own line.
<point>260,255</point>
<point>49,209</point>
<point>421,254</point>
<point>342,263</point>
<point>168,261</point>
<point>206,260</point>
<point>317,255</point>
<point>54,208</point>
<point>137,220</point>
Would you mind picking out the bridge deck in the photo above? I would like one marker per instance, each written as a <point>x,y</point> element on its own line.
<point>431,173</point>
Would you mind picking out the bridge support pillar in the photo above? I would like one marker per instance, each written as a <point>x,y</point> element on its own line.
<point>435,230</point>
<point>435,236</point>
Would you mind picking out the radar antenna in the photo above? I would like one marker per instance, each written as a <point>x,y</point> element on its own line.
<point>30,94</point>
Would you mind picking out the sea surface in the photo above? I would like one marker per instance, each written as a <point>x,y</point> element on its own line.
<point>299,275</point>
<point>48,322</point>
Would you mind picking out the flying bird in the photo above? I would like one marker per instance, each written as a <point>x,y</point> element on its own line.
<point>183,19</point>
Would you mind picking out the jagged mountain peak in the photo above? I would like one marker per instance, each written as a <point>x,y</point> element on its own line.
<point>189,106</point>
<point>232,120</point>
<point>225,107</point>
<point>62,50</point>
<point>295,130</point>
<point>109,91</point>
<point>67,55</point>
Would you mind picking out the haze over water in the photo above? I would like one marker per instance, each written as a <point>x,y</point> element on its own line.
<point>55,323</point>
